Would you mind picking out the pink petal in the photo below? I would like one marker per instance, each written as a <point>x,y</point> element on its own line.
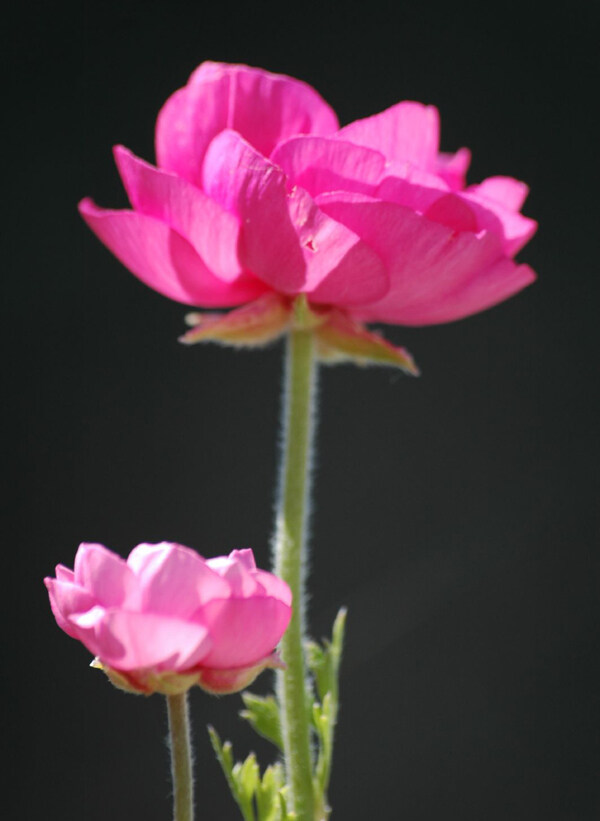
<point>210,230</point>
<point>430,265</point>
<point>265,108</point>
<point>452,211</point>
<point>243,630</point>
<point>495,284</point>
<point>138,641</point>
<point>406,132</point>
<point>174,580</point>
<point>286,240</point>
<point>64,574</point>
<point>452,168</point>
<point>409,186</point>
<point>104,574</point>
<point>320,164</point>
<point>513,228</point>
<point>506,191</point>
<point>66,599</point>
<point>163,260</point>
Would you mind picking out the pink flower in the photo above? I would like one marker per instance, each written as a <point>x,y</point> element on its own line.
<point>167,619</point>
<point>259,197</point>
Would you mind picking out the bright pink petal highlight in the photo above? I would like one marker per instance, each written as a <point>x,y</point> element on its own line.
<point>166,618</point>
<point>264,108</point>
<point>406,132</point>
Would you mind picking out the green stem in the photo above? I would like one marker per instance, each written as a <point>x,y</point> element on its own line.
<point>290,563</point>
<point>181,758</point>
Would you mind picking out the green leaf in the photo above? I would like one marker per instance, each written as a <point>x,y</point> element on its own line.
<point>262,713</point>
<point>267,795</point>
<point>239,776</point>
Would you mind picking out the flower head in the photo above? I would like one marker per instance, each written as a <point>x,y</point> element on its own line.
<point>259,196</point>
<point>166,619</point>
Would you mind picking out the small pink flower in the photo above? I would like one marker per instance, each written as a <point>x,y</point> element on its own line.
<point>166,619</point>
<point>259,196</point>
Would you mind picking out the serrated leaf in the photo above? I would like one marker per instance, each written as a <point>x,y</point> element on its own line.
<point>263,714</point>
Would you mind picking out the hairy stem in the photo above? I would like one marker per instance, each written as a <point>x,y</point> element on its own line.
<point>181,758</point>
<point>290,563</point>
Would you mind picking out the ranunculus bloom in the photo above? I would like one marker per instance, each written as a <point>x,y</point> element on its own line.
<point>166,619</point>
<point>259,196</point>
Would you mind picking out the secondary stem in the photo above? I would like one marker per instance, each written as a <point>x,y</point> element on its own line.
<point>181,758</point>
<point>290,563</point>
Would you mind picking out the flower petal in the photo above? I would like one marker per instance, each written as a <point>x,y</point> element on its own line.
<point>104,575</point>
<point>66,599</point>
<point>265,108</point>
<point>506,191</point>
<point>137,641</point>
<point>163,259</point>
<point>452,168</point>
<point>320,164</point>
<point>430,265</point>
<point>174,580</point>
<point>210,230</point>
<point>501,217</point>
<point>243,630</point>
<point>408,132</point>
<point>286,240</point>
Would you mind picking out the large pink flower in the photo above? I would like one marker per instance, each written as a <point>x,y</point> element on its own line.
<point>259,196</point>
<point>167,619</point>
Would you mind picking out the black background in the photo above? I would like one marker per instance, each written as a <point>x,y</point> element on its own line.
<point>454,514</point>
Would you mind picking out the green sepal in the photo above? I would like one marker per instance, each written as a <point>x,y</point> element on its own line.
<point>342,339</point>
<point>263,714</point>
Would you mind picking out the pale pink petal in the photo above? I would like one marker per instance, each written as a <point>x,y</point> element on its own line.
<point>138,641</point>
<point>321,164</point>
<point>428,262</point>
<point>163,259</point>
<point>241,579</point>
<point>243,630</point>
<point>210,230</point>
<point>173,579</point>
<point>408,132</point>
<point>286,240</point>
<point>265,108</point>
<point>274,586</point>
<point>64,574</point>
<point>104,574</point>
<point>66,599</point>
<point>506,191</point>
<point>452,168</point>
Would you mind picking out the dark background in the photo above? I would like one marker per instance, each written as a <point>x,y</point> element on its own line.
<point>454,514</point>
